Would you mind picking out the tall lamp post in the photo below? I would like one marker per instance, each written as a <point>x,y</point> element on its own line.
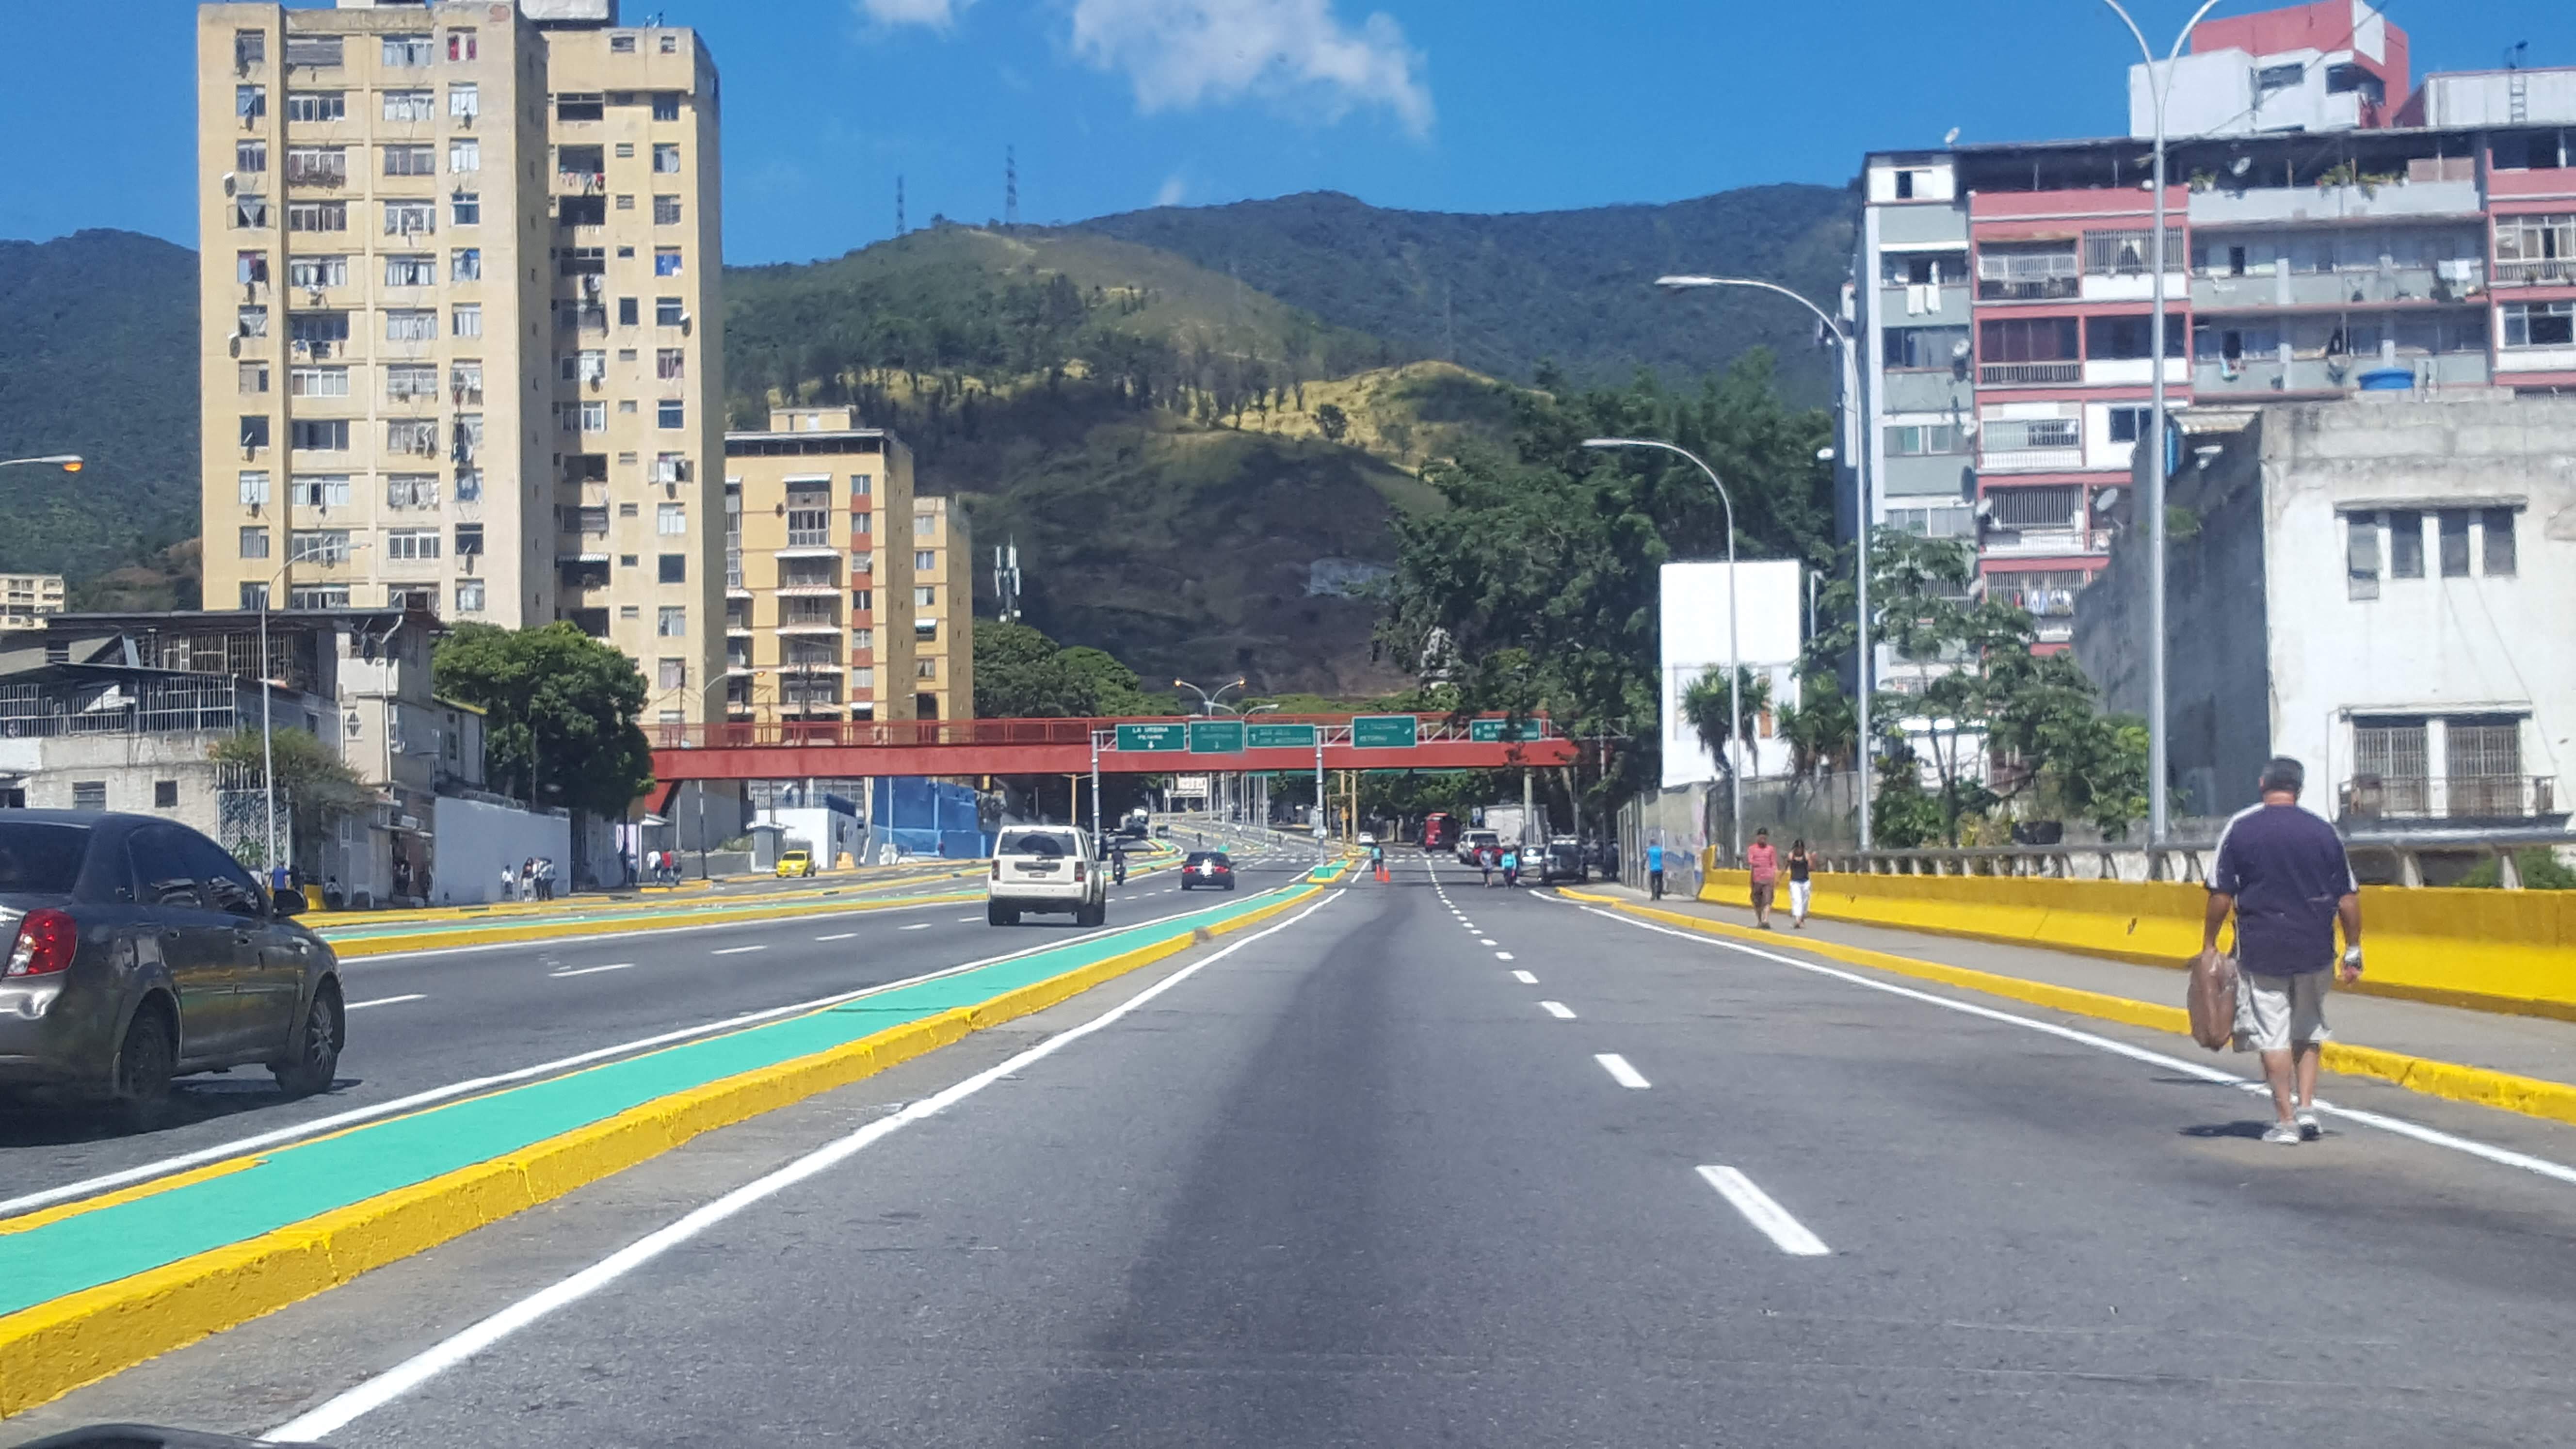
<point>1865,514</point>
<point>1734,652</point>
<point>267,751</point>
<point>1208,705</point>
<point>2159,89</point>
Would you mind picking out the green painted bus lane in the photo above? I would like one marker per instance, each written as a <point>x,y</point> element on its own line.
<point>65,1254</point>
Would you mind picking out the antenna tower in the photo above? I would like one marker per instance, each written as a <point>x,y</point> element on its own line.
<point>1010,186</point>
<point>898,206</point>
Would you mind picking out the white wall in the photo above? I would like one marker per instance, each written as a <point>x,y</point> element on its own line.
<point>1695,639</point>
<point>828,833</point>
<point>473,840</point>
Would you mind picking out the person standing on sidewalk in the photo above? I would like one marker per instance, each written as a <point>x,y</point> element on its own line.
<point>1762,860</point>
<point>2282,871</point>
<point>1801,867</point>
<point>1655,870</point>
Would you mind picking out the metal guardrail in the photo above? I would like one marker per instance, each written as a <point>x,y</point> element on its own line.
<point>2404,856</point>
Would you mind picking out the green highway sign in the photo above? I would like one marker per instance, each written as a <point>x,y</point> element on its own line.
<point>1279,736</point>
<point>1384,732</point>
<point>1494,731</point>
<point>1152,738</point>
<point>1216,737</point>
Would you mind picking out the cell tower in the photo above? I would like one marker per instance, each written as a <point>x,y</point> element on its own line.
<point>1010,186</point>
<point>1006,580</point>
<point>898,206</point>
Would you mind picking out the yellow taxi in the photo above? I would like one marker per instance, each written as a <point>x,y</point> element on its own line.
<point>795,863</point>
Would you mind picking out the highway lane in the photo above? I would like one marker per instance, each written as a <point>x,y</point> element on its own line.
<point>1355,1183</point>
<point>434,1020</point>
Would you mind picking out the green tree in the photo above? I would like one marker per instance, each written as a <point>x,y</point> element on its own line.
<point>1020,673</point>
<point>1704,705</point>
<point>315,789</point>
<point>1333,421</point>
<point>560,710</point>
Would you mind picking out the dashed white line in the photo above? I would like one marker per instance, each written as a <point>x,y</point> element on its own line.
<point>738,950</point>
<point>921,926</point>
<point>1557,1009</point>
<point>1524,978</point>
<point>1620,1072</point>
<point>842,936</point>
<point>1790,1235</point>
<point>1505,956</point>
<point>386,1001</point>
<point>591,970</point>
<point>1488,941</point>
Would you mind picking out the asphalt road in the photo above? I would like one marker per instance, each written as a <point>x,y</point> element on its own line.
<point>433,1020</point>
<point>1432,1164</point>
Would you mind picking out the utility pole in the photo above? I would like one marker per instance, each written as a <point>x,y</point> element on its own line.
<point>1010,186</point>
<point>898,205</point>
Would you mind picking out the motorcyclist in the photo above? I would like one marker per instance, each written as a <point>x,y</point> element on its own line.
<point>1118,865</point>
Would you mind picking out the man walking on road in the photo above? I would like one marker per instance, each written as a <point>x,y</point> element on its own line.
<point>1762,860</point>
<point>2283,871</point>
<point>1655,870</point>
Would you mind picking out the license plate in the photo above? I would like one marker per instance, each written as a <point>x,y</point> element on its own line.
<point>1037,867</point>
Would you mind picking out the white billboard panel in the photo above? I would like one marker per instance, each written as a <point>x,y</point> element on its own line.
<point>1696,604</point>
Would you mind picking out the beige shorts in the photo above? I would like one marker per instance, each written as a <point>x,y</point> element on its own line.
<point>2273,1013</point>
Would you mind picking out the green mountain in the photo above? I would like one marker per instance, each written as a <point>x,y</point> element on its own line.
<point>98,356</point>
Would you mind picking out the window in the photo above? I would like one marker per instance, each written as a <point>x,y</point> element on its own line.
<point>250,213</point>
<point>671,413</point>
<point>2026,271</point>
<point>410,51</point>
<point>2128,424</point>
<point>254,596</point>
<point>2454,535</point>
<point>2361,555</point>
<point>318,596</point>
<point>469,485</point>
<point>250,48</point>
<point>251,322</point>
<point>411,160</point>
<point>2539,324</point>
<point>2129,337</point>
<point>321,490</point>
<point>317,216</point>
<point>671,519</point>
<point>925,631</point>
<point>464,102</point>
<point>469,540</point>
<point>317,51</point>
<point>925,561</point>
<point>589,365</point>
<point>674,568</point>
<point>254,433</point>
<point>579,106</point>
<point>1924,347</point>
<point>254,378</point>
<point>666,211</point>
<point>2347,77</point>
<point>165,794</point>
<point>461,45</point>
<point>403,107</point>
<point>925,668</point>
<point>313,273</point>
<point>464,156</point>
<point>670,45</point>
<point>2028,339</point>
<point>2131,253</point>
<point>469,596</point>
<point>666,261</point>
<point>666,105</point>
<point>2280,77</point>
<point>863,523</point>
<point>250,103</point>
<point>317,382</point>
<point>254,490</point>
<point>413,544</point>
<point>2007,435</point>
<point>2495,527</point>
<point>2053,506</point>
<point>319,435</point>
<point>412,437</point>
<point>1914,441</point>
<point>622,44</point>
<point>408,269</point>
<point>666,158</point>
<point>925,597</point>
<point>317,330</point>
<point>2405,544</point>
<point>671,621</point>
<point>319,545</point>
<point>316,107</point>
<point>411,324</point>
<point>465,264</point>
<point>89,794</point>
<point>254,543</point>
<point>410,218</point>
<point>667,312</point>
<point>2390,753</point>
<point>250,157</point>
<point>590,417</point>
<point>317,166</point>
<point>250,268</point>
<point>465,208</point>
<point>465,319</point>
<point>411,490</point>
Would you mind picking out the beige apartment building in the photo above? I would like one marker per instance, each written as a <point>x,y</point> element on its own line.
<point>943,611</point>
<point>462,289</point>
<point>25,599</point>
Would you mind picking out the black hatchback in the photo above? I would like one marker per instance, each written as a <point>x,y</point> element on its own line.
<point>143,951</point>
<point>1211,868</point>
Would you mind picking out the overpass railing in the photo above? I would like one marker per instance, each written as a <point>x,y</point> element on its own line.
<point>911,734</point>
<point>2414,858</point>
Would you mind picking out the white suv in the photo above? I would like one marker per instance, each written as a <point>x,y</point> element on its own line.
<point>1046,868</point>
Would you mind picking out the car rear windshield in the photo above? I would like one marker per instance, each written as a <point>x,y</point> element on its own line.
<point>1219,856</point>
<point>41,859</point>
<point>1036,842</point>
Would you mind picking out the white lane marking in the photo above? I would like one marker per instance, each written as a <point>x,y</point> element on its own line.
<point>738,950</point>
<point>1787,1232</point>
<point>1557,1009</point>
<point>2502,1157</point>
<point>379,1001</point>
<point>590,970</point>
<point>970,920</point>
<point>335,1121</point>
<point>1524,978</point>
<point>390,958</point>
<point>920,926</point>
<point>842,936</point>
<point>1620,1072</point>
<point>1488,941</point>
<point>419,1369</point>
<point>1505,956</point>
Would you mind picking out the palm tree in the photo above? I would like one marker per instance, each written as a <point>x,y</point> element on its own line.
<point>1704,705</point>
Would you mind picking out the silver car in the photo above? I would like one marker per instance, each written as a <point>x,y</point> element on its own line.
<point>142,951</point>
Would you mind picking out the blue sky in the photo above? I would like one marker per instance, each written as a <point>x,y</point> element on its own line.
<point>1456,105</point>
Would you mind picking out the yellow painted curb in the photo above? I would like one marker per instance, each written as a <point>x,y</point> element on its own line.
<point>50,1349</point>
<point>2530,1096</point>
<point>569,930</point>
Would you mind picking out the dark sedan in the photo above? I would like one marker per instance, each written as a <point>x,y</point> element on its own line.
<point>1211,868</point>
<point>144,951</point>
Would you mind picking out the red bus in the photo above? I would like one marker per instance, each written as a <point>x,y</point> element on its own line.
<point>1439,831</point>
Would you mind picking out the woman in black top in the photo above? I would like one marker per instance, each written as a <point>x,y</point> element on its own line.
<point>1801,865</point>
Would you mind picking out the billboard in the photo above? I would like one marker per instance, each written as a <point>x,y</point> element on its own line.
<point>1692,625</point>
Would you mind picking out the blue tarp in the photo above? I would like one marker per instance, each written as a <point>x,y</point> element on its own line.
<point>928,817</point>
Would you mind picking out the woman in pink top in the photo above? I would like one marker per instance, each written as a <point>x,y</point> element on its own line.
<point>1762,858</point>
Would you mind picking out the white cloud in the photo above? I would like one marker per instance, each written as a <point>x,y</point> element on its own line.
<point>935,14</point>
<point>1173,190</point>
<point>1180,54</point>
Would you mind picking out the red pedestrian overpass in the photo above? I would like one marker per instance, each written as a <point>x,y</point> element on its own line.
<point>1165,745</point>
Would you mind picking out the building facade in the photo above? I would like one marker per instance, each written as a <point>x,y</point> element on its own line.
<point>461,297</point>
<point>27,599</point>
<point>2002,294</point>
<point>943,610</point>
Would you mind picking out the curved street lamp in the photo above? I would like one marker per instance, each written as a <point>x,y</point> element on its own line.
<point>1734,653</point>
<point>68,462</point>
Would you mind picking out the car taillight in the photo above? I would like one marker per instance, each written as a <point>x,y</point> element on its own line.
<point>997,867</point>
<point>46,940</point>
<point>1077,871</point>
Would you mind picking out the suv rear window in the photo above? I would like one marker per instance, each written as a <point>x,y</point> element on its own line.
<point>1036,842</point>
<point>41,859</point>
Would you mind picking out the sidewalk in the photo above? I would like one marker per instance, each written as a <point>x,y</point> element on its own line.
<point>2523,1046</point>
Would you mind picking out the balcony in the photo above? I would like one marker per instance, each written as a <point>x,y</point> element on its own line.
<point>2031,460</point>
<point>2265,205</point>
<point>1922,390</point>
<point>2536,272</point>
<point>2044,543</point>
<point>812,538</point>
<point>2034,289</point>
<point>2456,281</point>
<point>2029,374</point>
<point>2267,376</point>
<point>2519,798</point>
<point>1905,305</point>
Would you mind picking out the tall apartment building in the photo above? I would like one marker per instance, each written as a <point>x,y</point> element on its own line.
<point>462,290</point>
<point>2422,241</point>
<point>943,610</point>
<point>819,571</point>
<point>26,599</point>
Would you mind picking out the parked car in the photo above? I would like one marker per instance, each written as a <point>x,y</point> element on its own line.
<point>1561,859</point>
<point>143,951</point>
<point>1046,868</point>
<point>795,865</point>
<point>1472,841</point>
<point>1211,868</point>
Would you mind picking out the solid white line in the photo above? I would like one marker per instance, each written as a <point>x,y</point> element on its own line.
<point>922,926</point>
<point>591,970</point>
<point>1557,1009</point>
<point>1759,1210</point>
<point>1524,978</point>
<point>2502,1157</point>
<point>419,1369</point>
<point>738,950</point>
<point>385,1001</point>
<point>843,936</point>
<point>1505,956</point>
<point>1620,1072</point>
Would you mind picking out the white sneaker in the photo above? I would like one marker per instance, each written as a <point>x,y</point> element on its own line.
<point>2310,1129</point>
<point>2282,1132</point>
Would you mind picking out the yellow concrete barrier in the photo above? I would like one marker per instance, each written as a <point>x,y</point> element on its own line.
<point>2488,950</point>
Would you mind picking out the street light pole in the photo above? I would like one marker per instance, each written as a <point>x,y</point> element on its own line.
<point>1865,514</point>
<point>68,462</point>
<point>1734,651</point>
<point>2159,89</point>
